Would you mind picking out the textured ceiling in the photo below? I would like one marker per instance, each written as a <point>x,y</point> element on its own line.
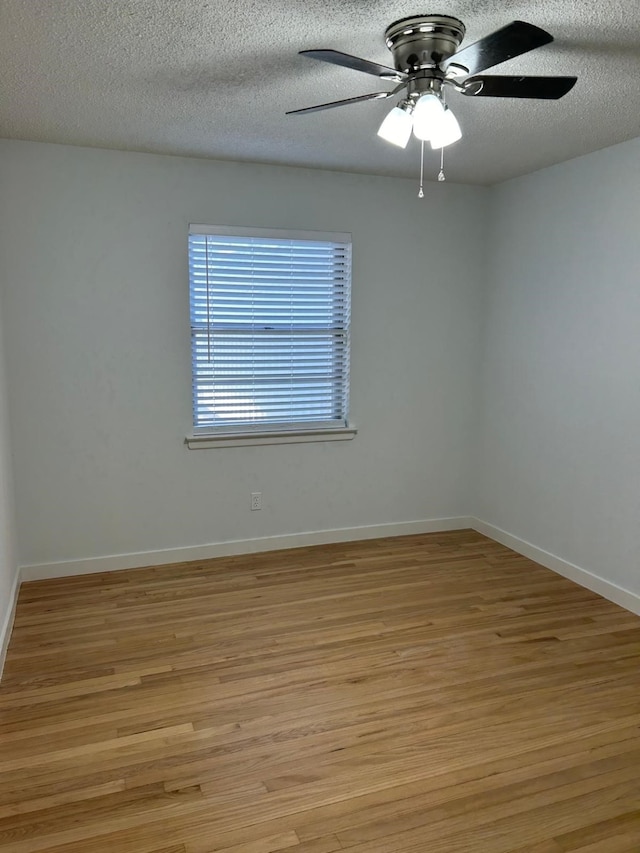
<point>213,79</point>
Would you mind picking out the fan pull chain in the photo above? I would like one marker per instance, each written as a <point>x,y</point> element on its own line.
<point>421,191</point>
<point>441,174</point>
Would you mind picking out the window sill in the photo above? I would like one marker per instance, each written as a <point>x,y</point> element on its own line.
<point>241,439</point>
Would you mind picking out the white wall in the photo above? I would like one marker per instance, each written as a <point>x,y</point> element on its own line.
<point>96,300</point>
<point>95,314</point>
<point>559,450</point>
<point>8,555</point>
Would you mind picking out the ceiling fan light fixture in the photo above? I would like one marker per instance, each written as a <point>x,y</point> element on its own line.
<point>448,131</point>
<point>428,116</point>
<point>396,127</point>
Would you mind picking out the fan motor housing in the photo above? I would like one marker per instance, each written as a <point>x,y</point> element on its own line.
<point>423,41</point>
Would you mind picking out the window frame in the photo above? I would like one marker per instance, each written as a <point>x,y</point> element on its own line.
<point>273,433</point>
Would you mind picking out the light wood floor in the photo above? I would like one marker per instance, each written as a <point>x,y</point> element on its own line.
<point>426,694</point>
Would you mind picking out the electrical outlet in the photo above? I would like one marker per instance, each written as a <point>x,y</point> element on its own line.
<point>256,500</point>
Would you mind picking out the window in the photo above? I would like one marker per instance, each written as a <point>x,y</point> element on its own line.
<point>270,317</point>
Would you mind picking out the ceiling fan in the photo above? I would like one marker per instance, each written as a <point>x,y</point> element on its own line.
<point>427,62</point>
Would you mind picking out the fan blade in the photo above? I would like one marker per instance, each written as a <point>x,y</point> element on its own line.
<point>549,88</point>
<point>335,57</point>
<point>515,39</point>
<point>374,96</point>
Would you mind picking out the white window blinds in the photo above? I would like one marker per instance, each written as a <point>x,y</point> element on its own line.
<point>270,317</point>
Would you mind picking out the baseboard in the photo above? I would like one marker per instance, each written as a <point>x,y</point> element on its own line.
<point>66,568</point>
<point>611,591</point>
<point>7,626</point>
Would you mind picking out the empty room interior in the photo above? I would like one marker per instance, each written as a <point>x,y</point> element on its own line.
<point>319,427</point>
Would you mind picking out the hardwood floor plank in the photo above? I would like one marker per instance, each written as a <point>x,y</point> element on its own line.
<point>285,841</point>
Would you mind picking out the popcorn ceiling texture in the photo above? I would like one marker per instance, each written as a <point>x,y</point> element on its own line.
<point>210,79</point>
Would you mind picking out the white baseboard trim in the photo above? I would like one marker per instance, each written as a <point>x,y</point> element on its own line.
<point>611,591</point>
<point>66,568</point>
<point>7,625</point>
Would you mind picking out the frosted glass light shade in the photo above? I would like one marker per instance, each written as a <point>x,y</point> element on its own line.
<point>448,131</point>
<point>396,128</point>
<point>427,117</point>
